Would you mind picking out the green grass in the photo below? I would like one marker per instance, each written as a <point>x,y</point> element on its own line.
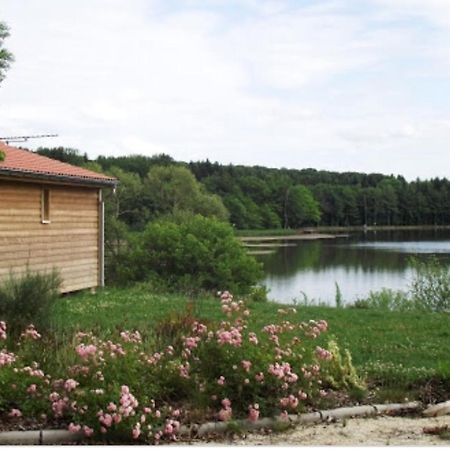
<point>395,349</point>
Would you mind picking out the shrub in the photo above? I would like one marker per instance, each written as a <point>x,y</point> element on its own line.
<point>28,299</point>
<point>387,299</point>
<point>197,253</point>
<point>259,294</point>
<point>430,288</point>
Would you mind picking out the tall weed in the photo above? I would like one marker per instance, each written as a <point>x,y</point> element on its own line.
<point>27,299</point>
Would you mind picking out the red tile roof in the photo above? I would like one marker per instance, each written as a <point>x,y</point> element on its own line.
<point>25,162</point>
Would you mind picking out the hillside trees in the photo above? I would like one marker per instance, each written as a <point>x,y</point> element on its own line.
<point>300,208</point>
<point>260,197</point>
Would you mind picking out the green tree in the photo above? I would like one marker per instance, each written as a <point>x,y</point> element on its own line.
<point>129,203</point>
<point>6,57</point>
<point>301,207</point>
<point>193,253</point>
<point>171,189</point>
<point>64,154</point>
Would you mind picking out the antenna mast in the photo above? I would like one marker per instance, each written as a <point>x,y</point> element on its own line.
<point>9,139</point>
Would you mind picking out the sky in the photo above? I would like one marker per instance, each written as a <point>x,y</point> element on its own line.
<point>345,85</point>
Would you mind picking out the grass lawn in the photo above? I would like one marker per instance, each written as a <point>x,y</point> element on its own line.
<point>400,351</point>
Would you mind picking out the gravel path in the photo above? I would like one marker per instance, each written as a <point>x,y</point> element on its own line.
<point>373,431</point>
<point>360,431</point>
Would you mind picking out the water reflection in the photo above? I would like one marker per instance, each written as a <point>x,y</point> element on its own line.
<point>360,263</point>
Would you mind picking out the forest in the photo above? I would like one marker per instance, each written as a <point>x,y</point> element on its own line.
<point>264,198</point>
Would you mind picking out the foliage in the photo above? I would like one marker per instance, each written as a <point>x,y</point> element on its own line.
<point>131,388</point>
<point>259,294</point>
<point>430,288</point>
<point>341,373</point>
<point>338,296</point>
<point>117,250</point>
<point>64,154</point>
<point>194,253</point>
<point>173,188</point>
<point>261,198</point>
<point>6,57</point>
<point>300,207</point>
<point>2,156</point>
<point>27,299</point>
<point>385,299</point>
<point>429,291</point>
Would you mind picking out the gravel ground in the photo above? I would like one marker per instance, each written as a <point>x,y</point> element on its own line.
<point>353,432</point>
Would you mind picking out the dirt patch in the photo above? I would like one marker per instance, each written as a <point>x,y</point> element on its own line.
<point>371,431</point>
<point>381,430</point>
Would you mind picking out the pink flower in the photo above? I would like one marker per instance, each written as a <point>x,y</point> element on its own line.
<point>302,395</point>
<point>106,420</point>
<point>32,388</point>
<point>133,337</point>
<point>184,370</point>
<point>225,414</point>
<point>226,403</point>
<point>191,342</point>
<point>111,407</point>
<point>136,432</point>
<point>253,412</point>
<point>253,338</point>
<point>31,333</point>
<point>84,351</point>
<point>15,413</point>
<point>2,331</point>
<point>88,432</point>
<point>323,354</point>
<point>246,365</point>
<point>74,428</point>
<point>221,380</point>
<point>259,377</point>
<point>6,358</point>
<point>70,385</point>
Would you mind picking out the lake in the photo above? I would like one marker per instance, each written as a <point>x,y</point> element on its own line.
<point>360,263</point>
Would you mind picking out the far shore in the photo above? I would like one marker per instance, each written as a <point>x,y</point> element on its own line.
<point>324,232</point>
<point>294,237</point>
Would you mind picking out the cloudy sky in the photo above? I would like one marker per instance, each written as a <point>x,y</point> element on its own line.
<point>361,85</point>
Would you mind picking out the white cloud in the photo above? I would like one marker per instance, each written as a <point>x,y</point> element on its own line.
<point>268,83</point>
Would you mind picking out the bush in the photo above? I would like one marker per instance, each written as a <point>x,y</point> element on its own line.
<point>387,299</point>
<point>27,299</point>
<point>430,288</point>
<point>197,253</point>
<point>259,294</point>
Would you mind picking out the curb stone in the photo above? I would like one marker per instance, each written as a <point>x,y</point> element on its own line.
<point>47,437</point>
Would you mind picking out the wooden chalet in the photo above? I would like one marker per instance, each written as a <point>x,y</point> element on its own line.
<point>51,217</point>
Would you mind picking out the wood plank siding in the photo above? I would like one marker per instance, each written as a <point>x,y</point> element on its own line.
<point>69,243</point>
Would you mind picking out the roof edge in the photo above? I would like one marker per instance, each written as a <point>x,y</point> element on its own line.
<point>76,180</point>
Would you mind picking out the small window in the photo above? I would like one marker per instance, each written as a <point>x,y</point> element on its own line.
<point>45,206</point>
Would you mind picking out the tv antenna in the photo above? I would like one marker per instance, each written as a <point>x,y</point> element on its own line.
<point>8,139</point>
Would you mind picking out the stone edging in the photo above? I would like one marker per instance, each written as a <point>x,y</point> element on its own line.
<point>47,437</point>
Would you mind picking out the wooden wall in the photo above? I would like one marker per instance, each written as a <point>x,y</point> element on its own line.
<point>69,243</point>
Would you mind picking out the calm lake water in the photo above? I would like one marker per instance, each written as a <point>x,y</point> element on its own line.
<point>361,263</point>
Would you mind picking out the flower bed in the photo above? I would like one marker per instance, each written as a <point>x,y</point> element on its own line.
<point>183,371</point>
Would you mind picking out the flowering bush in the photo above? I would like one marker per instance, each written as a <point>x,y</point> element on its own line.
<point>125,388</point>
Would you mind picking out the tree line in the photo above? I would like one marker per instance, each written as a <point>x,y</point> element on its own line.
<point>259,197</point>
